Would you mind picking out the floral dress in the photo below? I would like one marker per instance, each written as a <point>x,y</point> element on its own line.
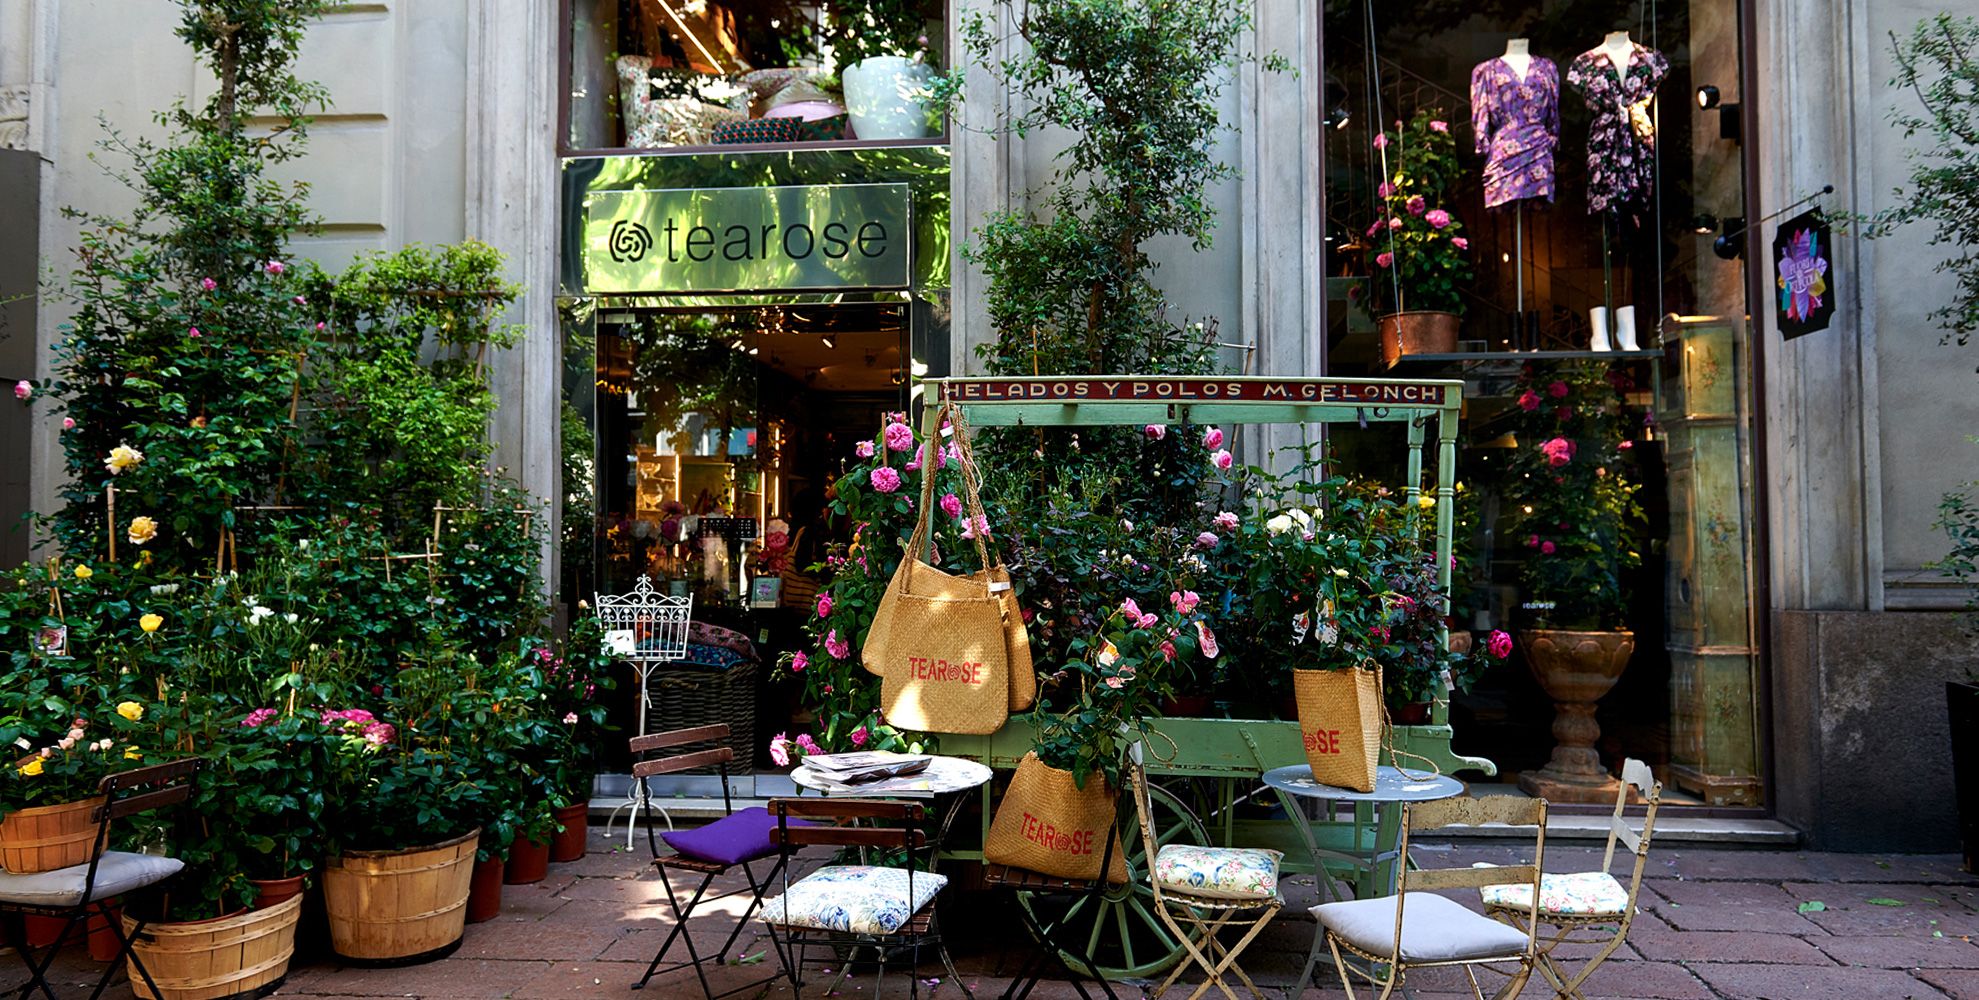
<point>1517,124</point>
<point>1621,140</point>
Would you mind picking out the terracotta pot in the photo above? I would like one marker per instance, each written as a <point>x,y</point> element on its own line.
<point>567,844</point>
<point>528,861</point>
<point>45,838</point>
<point>103,946</point>
<point>275,891</point>
<point>484,895</point>
<point>40,930</point>
<point>1417,332</point>
<point>1415,713</point>
<point>1575,669</point>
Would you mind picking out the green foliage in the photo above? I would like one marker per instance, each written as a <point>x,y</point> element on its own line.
<point>1114,682</point>
<point>1416,248</point>
<point>1570,494</point>
<point>1958,518</point>
<point>858,30</point>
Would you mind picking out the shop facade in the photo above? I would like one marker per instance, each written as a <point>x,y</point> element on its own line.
<point>1796,640</point>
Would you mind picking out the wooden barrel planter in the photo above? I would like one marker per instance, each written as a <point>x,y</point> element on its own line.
<point>45,838</point>
<point>238,955</point>
<point>399,907</point>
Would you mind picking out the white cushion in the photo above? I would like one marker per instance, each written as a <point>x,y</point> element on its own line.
<point>119,872</point>
<point>1578,894</point>
<point>1435,929</point>
<point>1218,872</point>
<point>855,899</point>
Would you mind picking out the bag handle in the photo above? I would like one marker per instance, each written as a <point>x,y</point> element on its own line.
<point>919,541</point>
<point>1388,736</point>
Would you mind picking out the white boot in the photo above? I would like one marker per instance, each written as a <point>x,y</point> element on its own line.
<point>1625,328</point>
<point>1598,316</point>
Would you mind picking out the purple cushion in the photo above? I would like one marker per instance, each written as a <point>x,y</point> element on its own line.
<point>743,835</point>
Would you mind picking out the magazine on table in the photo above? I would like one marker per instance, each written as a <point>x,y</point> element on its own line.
<point>866,766</point>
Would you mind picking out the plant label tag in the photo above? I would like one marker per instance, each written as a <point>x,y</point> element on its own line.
<point>621,642</point>
<point>999,586</point>
<point>1301,624</point>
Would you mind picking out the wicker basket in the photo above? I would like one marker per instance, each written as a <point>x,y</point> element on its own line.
<point>687,696</point>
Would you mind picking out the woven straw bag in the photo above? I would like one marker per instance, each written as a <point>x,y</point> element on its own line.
<point>1340,716</point>
<point>1047,824</point>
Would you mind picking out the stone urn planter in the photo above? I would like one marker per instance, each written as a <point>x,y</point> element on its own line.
<point>1575,669</point>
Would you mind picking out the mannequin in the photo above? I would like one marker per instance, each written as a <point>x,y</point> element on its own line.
<point>1515,116</point>
<point>1618,80</point>
<point>1618,46</point>
<point>1518,55</point>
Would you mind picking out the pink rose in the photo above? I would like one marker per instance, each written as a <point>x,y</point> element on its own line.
<point>865,449</point>
<point>1559,451</point>
<point>69,424</point>
<point>193,333</point>
<point>379,734</point>
<point>1499,645</point>
<point>780,750</point>
<point>1395,223</point>
<point>570,718</point>
<point>1168,650</point>
<point>1532,541</point>
<point>1528,401</point>
<point>951,505</point>
<point>1437,218</point>
<point>899,437</point>
<point>1558,390</point>
<point>1213,438</point>
<point>1626,445</point>
<point>837,647</point>
<point>1132,609</point>
<point>1384,259</point>
<point>807,744</point>
<point>1460,243</point>
<point>858,737</point>
<point>1386,190</point>
<point>1222,459</point>
<point>1416,204</point>
<point>885,479</point>
<point>799,662</point>
<point>976,527</point>
<point>824,605</point>
<point>1227,521</point>
<point>1184,601</point>
<point>1206,639</point>
<point>23,389</point>
<point>258,718</point>
<point>1375,228</point>
<point>1439,126</point>
<point>274,267</point>
<point>1547,547</point>
<point>1207,540</point>
<point>1155,432</point>
<point>208,284</point>
<point>1381,141</point>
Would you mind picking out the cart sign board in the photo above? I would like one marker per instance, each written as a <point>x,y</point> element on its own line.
<point>812,237</point>
<point>1195,389</point>
<point>1803,275</point>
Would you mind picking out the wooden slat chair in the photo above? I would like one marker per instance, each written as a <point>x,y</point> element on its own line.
<point>1207,909</point>
<point>740,839</point>
<point>1053,943</point>
<point>1416,928</point>
<point>1586,907</point>
<point>881,907</point>
<point>70,894</point>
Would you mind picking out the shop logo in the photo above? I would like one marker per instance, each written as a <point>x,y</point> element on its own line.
<point>630,241</point>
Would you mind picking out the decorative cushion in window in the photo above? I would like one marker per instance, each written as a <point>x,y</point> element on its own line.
<point>822,129</point>
<point>727,638</point>
<point>675,121</point>
<point>1579,894</point>
<point>856,899</point>
<point>1218,872</point>
<point>756,130</point>
<point>718,657</point>
<point>743,835</point>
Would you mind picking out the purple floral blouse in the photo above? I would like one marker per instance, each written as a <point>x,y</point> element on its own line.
<point>1621,138</point>
<point>1517,123</point>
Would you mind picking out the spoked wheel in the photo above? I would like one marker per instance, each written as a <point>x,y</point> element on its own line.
<point>1121,932</point>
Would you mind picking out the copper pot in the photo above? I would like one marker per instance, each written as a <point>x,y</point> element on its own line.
<point>1417,332</point>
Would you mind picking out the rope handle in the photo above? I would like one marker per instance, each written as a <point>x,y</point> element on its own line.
<point>1396,754</point>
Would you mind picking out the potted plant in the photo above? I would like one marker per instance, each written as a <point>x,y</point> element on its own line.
<point>1573,509</point>
<point>571,676</point>
<point>885,65</point>
<point>1415,247</point>
<point>48,794</point>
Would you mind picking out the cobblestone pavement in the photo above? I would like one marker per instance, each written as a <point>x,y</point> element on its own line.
<point>1715,923</point>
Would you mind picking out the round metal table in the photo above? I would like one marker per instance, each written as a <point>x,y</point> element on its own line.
<point>1373,861</point>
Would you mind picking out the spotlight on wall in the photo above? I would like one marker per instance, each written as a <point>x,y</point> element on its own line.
<point>1730,245</point>
<point>1730,124</point>
<point>1704,225</point>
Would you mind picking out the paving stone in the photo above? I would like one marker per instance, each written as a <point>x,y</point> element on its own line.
<point>1921,910</point>
<point>552,940</point>
<point>1804,866</point>
<point>1659,943</point>
<point>449,978</point>
<point>1757,909</point>
<point>1902,952</point>
<point>1959,984</point>
<point>1773,982</point>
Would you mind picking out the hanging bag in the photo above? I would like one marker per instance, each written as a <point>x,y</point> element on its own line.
<point>1340,713</point>
<point>1047,824</point>
<point>938,641</point>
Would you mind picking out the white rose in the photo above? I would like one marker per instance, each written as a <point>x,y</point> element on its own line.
<point>1279,525</point>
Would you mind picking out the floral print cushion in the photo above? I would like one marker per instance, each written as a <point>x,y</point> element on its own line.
<point>1581,894</point>
<point>855,899</point>
<point>1218,872</point>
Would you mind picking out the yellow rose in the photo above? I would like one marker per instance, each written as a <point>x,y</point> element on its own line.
<point>84,572</point>
<point>131,710</point>
<point>130,753</point>
<point>143,529</point>
<point>1425,502</point>
<point>31,768</point>
<point>150,623</point>
<point>122,457</point>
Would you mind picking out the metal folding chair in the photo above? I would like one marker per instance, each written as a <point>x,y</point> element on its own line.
<point>1416,928</point>
<point>70,894</point>
<point>1586,907</point>
<point>1205,916</point>
<point>885,908</point>
<point>740,825</point>
<point>1066,897</point>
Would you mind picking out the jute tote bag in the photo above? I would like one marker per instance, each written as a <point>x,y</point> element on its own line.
<point>938,641</point>
<point>1048,824</point>
<point>1340,715</point>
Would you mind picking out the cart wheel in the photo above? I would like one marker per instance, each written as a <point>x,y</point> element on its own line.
<point>1123,934</point>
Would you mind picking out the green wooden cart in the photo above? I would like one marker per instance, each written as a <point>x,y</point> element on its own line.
<point>1207,791</point>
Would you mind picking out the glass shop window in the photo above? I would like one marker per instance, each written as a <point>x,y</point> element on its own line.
<point>673,74</point>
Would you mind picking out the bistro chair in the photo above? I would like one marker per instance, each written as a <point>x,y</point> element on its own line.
<point>1416,928</point>
<point>1586,907</point>
<point>1208,889</point>
<point>883,907</point>
<point>70,894</point>
<point>740,839</point>
<point>1064,897</point>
